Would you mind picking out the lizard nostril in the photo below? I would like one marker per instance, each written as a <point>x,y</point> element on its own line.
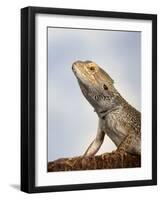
<point>73,67</point>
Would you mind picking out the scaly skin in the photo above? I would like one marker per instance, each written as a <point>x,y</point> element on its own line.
<point>118,119</point>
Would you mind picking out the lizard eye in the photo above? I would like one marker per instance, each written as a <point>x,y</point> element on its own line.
<point>92,68</point>
<point>105,87</point>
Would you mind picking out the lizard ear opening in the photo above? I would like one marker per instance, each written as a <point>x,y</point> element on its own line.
<point>105,87</point>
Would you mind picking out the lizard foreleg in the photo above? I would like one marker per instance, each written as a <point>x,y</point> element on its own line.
<point>96,144</point>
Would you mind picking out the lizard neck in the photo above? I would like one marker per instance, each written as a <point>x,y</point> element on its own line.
<point>116,103</point>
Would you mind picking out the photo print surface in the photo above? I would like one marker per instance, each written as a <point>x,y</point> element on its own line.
<point>94,99</point>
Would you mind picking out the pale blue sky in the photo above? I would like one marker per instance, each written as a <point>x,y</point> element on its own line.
<point>72,124</point>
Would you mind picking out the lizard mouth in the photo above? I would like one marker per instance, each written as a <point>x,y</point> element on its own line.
<point>77,71</point>
<point>80,77</point>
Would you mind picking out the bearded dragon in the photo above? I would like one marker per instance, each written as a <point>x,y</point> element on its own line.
<point>117,118</point>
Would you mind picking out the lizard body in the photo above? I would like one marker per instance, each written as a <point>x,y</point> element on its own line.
<point>117,118</point>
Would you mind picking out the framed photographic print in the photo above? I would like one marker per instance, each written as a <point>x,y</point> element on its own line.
<point>88,99</point>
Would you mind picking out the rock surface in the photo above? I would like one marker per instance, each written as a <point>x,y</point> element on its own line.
<point>105,161</point>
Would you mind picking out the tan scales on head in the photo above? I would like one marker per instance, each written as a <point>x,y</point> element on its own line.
<point>90,71</point>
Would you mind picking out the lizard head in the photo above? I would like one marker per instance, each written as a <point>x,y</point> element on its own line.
<point>96,85</point>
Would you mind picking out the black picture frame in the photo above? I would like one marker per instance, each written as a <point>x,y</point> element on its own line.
<point>28,98</point>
